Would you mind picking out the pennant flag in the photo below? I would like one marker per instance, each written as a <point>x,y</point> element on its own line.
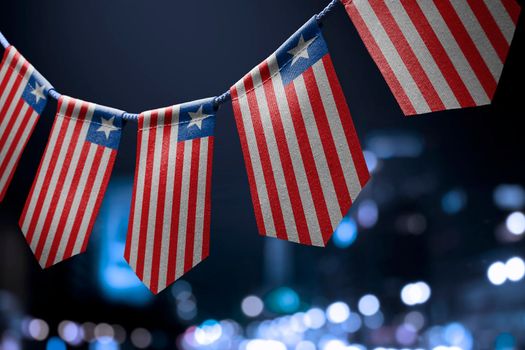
<point>169,225</point>
<point>304,162</point>
<point>23,96</point>
<point>71,180</point>
<point>437,55</point>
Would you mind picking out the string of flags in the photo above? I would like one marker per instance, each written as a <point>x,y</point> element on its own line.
<point>302,154</point>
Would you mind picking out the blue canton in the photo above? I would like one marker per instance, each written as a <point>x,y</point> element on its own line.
<point>292,65</point>
<point>196,119</point>
<point>37,103</point>
<point>105,128</point>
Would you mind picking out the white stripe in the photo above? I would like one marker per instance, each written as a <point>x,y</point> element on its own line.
<point>55,175</point>
<point>260,183</point>
<point>275,159</point>
<point>392,56</point>
<point>502,18</point>
<point>154,197</point>
<point>77,200</point>
<point>44,165</point>
<point>201,201</point>
<point>168,203</point>
<point>16,98</point>
<point>423,55</point>
<point>299,171</point>
<point>66,189</point>
<point>454,52</point>
<point>183,218</point>
<point>321,164</point>
<point>338,133</point>
<point>15,156</point>
<point>89,213</point>
<point>478,36</point>
<point>139,188</point>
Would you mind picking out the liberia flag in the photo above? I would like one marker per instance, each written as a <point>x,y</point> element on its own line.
<point>304,162</point>
<point>169,225</point>
<point>437,55</point>
<point>23,96</point>
<point>71,180</point>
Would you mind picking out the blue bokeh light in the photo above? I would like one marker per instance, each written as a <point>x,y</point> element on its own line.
<point>345,234</point>
<point>55,343</point>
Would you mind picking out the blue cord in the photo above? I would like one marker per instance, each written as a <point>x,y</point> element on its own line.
<point>218,101</point>
<point>4,41</point>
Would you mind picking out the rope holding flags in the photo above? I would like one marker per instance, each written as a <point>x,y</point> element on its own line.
<point>302,154</point>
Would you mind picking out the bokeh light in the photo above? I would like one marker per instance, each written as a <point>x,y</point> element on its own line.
<point>516,223</point>
<point>415,293</point>
<point>338,312</point>
<point>252,306</point>
<point>368,305</point>
<point>345,234</point>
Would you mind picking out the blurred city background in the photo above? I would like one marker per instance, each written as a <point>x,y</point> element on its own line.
<point>431,256</point>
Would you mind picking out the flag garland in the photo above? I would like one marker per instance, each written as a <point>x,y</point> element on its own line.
<point>303,158</point>
<point>23,96</point>
<point>302,154</point>
<point>169,225</point>
<point>437,55</point>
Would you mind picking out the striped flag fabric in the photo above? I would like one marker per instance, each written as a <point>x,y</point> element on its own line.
<point>23,97</point>
<point>169,224</point>
<point>72,177</point>
<point>437,55</point>
<point>302,155</point>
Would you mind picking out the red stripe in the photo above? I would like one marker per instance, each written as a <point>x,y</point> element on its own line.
<point>247,160</point>
<point>308,159</point>
<point>61,175</point>
<point>207,202</point>
<point>286,160</point>
<point>129,235</point>
<point>175,217</point>
<point>161,200</point>
<point>67,208</point>
<point>27,123</point>
<point>439,54</point>
<point>468,47</point>
<point>192,203</point>
<point>490,27</point>
<point>94,168</point>
<point>146,199</point>
<point>50,170</point>
<point>328,142</point>
<point>100,196</point>
<point>513,9</point>
<point>348,125</point>
<point>380,60</point>
<point>31,192</point>
<point>264,155</point>
<point>407,55</point>
<point>10,124</point>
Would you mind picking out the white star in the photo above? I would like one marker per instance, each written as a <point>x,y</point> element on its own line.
<point>301,50</point>
<point>107,126</point>
<point>197,118</point>
<point>38,92</point>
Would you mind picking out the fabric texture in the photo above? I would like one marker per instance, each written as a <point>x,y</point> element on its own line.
<point>23,97</point>
<point>304,161</point>
<point>437,55</point>
<point>169,225</point>
<point>71,180</point>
